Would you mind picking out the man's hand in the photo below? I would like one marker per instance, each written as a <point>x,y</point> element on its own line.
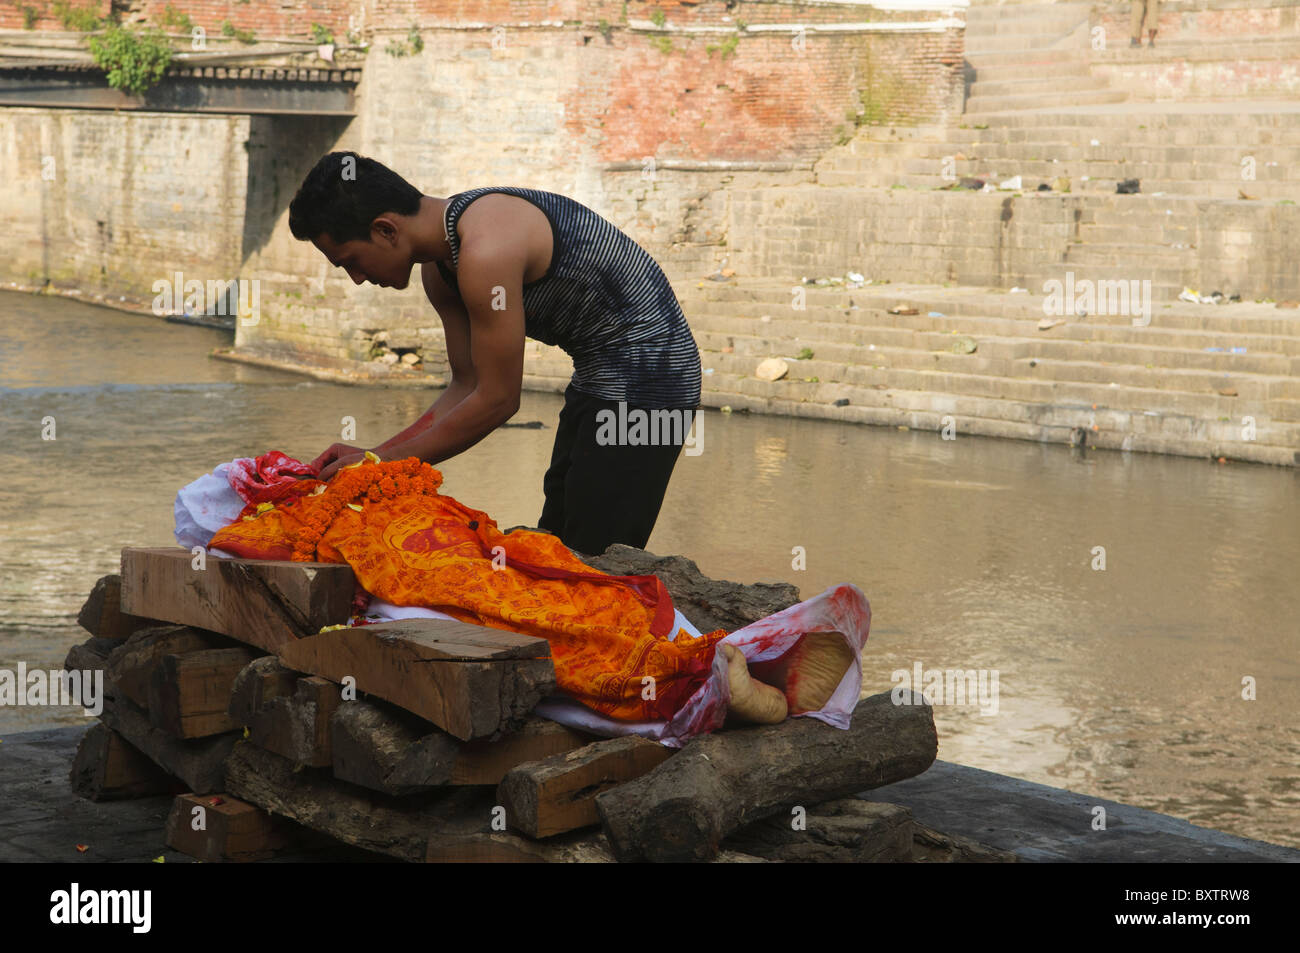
<point>334,453</point>
<point>344,461</point>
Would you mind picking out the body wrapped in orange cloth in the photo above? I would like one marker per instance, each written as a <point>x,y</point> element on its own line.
<point>610,636</point>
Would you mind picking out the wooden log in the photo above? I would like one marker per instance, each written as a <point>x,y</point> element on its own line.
<point>91,655</point>
<point>847,831</point>
<point>189,694</point>
<point>286,713</point>
<point>470,681</point>
<point>215,828</point>
<point>198,762</point>
<point>685,807</point>
<point>710,604</point>
<point>558,794</point>
<point>386,749</point>
<point>264,603</point>
<point>132,664</point>
<point>399,827</point>
<point>106,768</point>
<point>102,614</point>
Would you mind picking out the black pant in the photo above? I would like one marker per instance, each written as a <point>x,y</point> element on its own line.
<point>601,494</point>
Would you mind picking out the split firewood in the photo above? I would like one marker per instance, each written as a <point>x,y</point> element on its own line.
<point>386,749</point>
<point>286,713</point>
<point>215,828</point>
<point>558,794</point>
<point>450,826</point>
<point>131,665</point>
<point>189,694</point>
<point>198,762</point>
<point>471,681</point>
<point>685,807</point>
<point>106,768</point>
<point>263,603</point>
<point>102,614</point>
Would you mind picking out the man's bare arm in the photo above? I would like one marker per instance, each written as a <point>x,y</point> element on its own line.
<point>491,289</point>
<point>455,325</point>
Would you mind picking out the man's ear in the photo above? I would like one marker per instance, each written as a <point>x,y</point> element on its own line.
<point>384,229</point>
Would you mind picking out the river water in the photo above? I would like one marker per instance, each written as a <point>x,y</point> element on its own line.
<point>976,554</point>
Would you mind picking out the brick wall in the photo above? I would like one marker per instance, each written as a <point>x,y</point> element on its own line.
<point>266,18</point>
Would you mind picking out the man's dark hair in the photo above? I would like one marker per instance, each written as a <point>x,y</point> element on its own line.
<point>344,193</point>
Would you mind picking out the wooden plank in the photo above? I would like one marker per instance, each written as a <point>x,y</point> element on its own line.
<point>683,809</point>
<point>106,768</point>
<point>198,762</point>
<point>264,603</point>
<point>286,713</point>
<point>102,614</point>
<point>470,684</point>
<point>131,666</point>
<point>386,749</point>
<point>558,794</point>
<point>215,828</point>
<point>409,829</point>
<point>235,831</point>
<point>189,694</point>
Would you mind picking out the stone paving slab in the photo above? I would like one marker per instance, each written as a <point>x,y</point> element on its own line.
<point>41,820</point>
<point>1046,824</point>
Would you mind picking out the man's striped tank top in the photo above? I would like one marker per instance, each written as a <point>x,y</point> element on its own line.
<point>605,302</point>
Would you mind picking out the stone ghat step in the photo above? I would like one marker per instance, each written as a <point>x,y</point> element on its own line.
<point>1031,56</point>
<point>1280,114</point>
<point>1212,189</point>
<point>1271,158</point>
<point>1267,155</point>
<point>1202,324</point>
<point>1034,82</point>
<point>974,133</point>
<point>825,380</point>
<point>1033,40</point>
<point>1076,339</point>
<point>994,416</point>
<point>979,103</point>
<point>1188,391</point>
<point>1053,71</point>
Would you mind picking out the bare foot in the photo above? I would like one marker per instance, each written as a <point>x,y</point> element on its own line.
<point>752,700</point>
<point>810,672</point>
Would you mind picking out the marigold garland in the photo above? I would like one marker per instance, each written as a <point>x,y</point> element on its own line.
<point>315,505</point>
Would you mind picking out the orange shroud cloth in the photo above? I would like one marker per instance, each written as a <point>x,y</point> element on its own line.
<point>412,546</point>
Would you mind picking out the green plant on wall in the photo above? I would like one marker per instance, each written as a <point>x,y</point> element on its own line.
<point>177,21</point>
<point>30,16</point>
<point>664,44</point>
<point>82,19</point>
<point>243,36</point>
<point>878,95</point>
<point>414,44</point>
<point>658,18</point>
<point>321,35</point>
<point>134,62</point>
<point>727,46</point>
